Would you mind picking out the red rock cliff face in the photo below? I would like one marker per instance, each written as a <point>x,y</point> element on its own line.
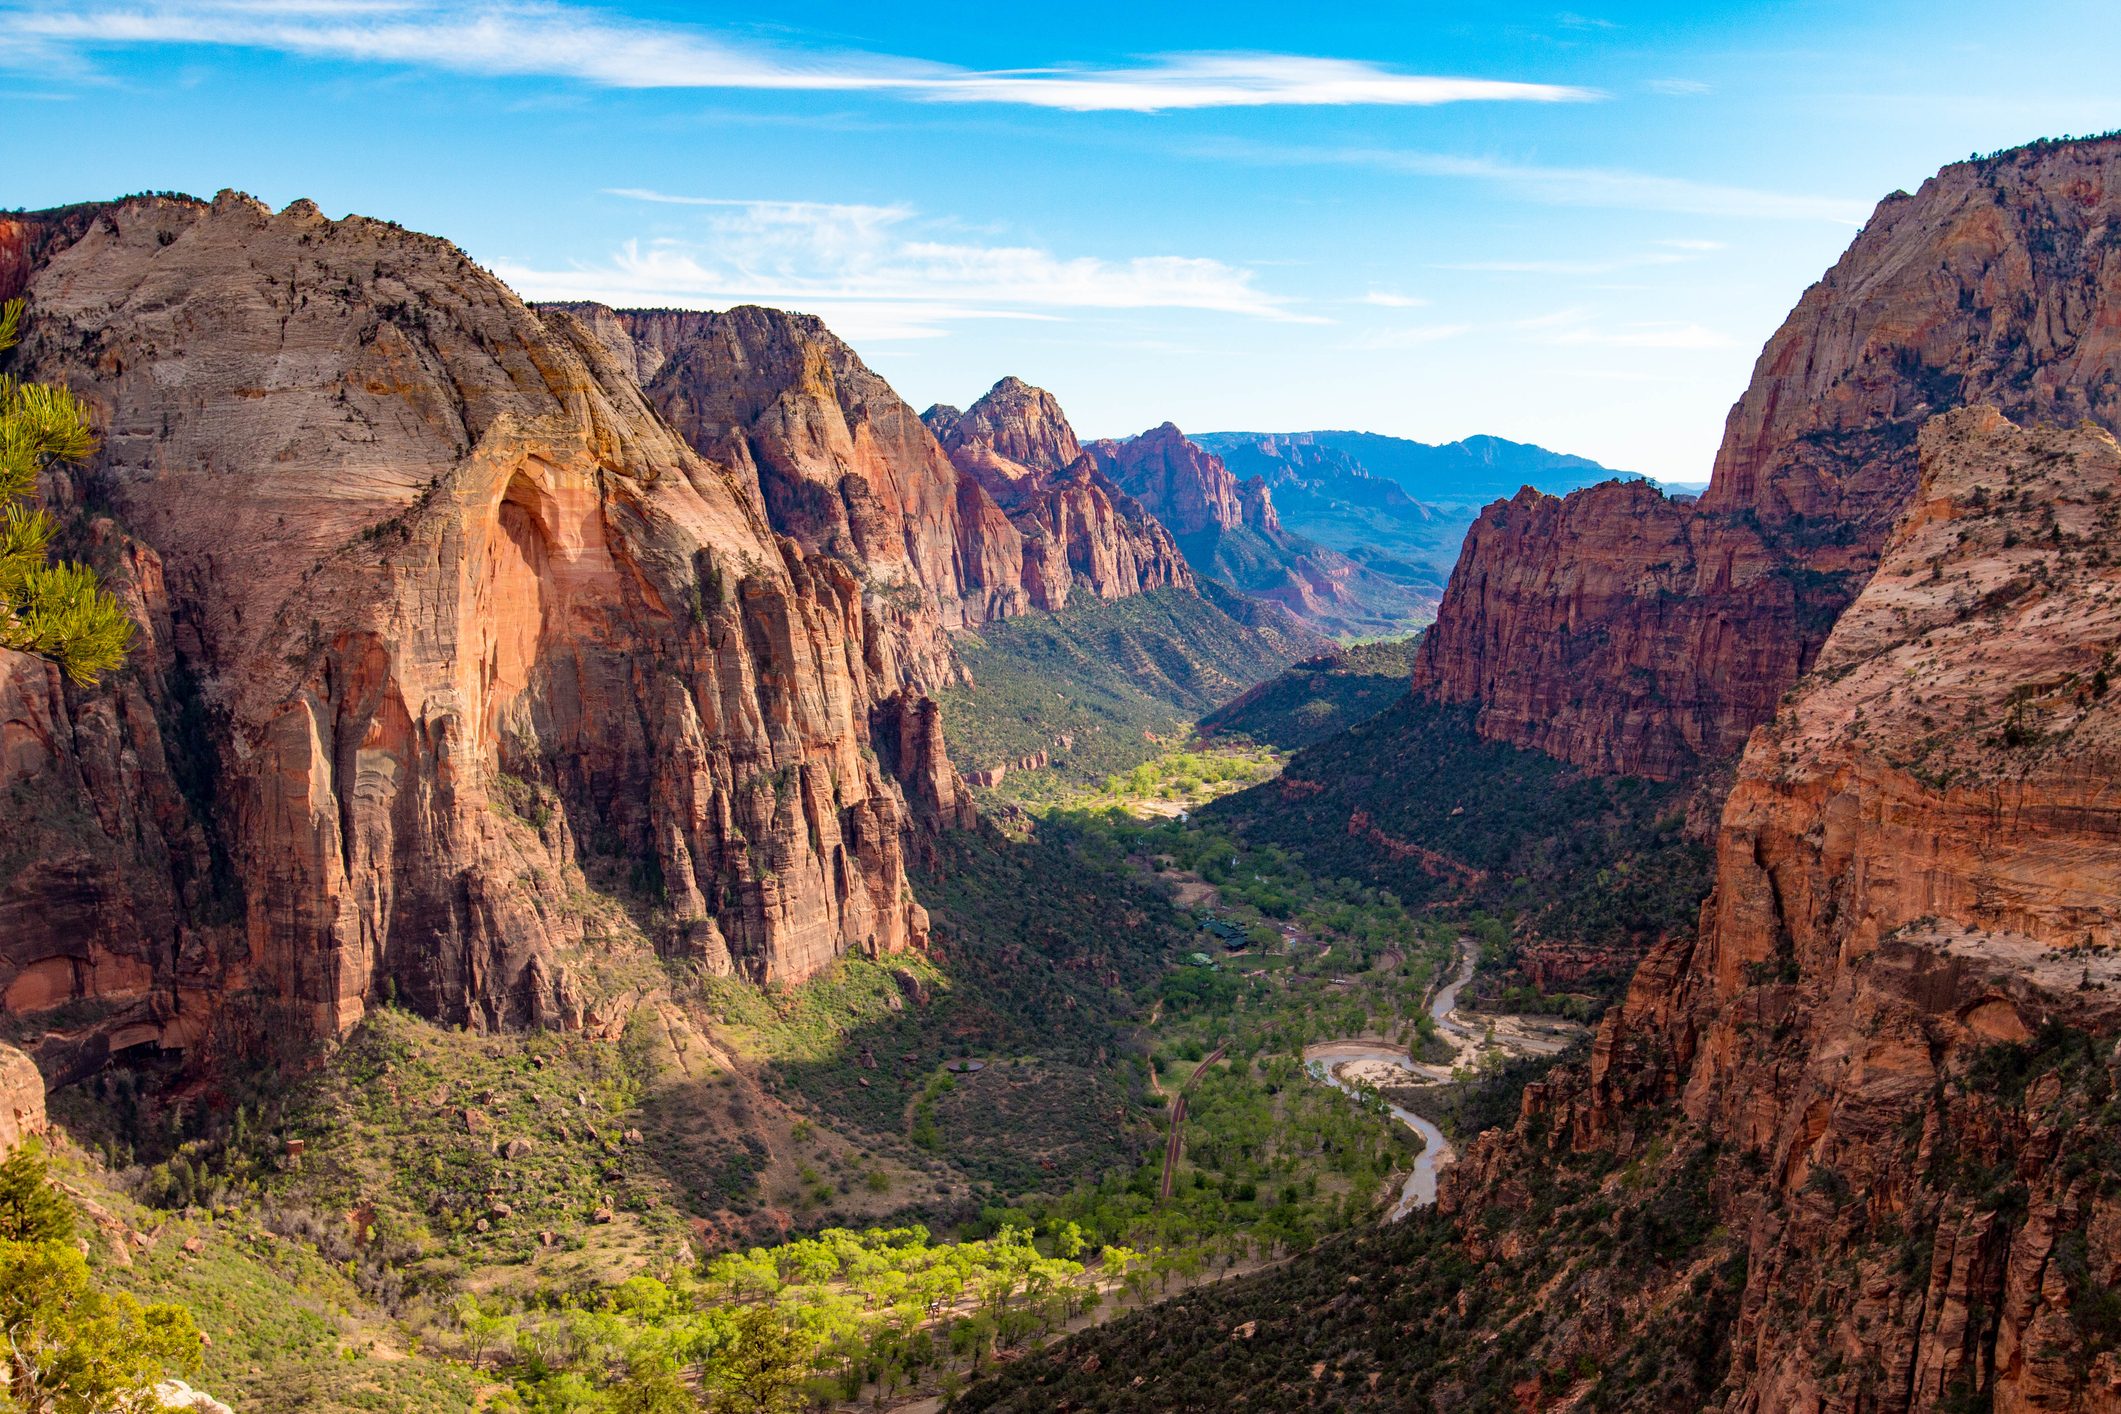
<point>1184,485</point>
<point>459,660</point>
<point>1022,426</point>
<point>21,1099</point>
<point>848,469</point>
<point>1000,521</point>
<point>1079,528</point>
<point>1626,633</point>
<point>1920,863</point>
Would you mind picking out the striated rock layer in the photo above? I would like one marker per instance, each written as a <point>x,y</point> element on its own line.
<point>1894,1035</point>
<point>461,666</point>
<point>1630,633</point>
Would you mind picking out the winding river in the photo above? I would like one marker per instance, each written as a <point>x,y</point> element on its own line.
<point>1324,1060</point>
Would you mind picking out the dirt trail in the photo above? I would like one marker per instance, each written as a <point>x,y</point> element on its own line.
<point>1178,1124</point>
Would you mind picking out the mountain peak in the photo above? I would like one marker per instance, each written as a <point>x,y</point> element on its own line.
<point>1019,422</point>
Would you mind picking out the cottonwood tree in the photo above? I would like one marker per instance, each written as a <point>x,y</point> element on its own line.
<point>58,610</point>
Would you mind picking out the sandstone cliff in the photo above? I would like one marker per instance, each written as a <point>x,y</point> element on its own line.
<point>1078,527</point>
<point>980,516</point>
<point>1229,531</point>
<point>21,1099</point>
<point>1625,632</point>
<point>1893,1040</point>
<point>462,668</point>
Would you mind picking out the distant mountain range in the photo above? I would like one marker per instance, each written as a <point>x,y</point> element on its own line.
<point>1451,476</point>
<point>1396,506</point>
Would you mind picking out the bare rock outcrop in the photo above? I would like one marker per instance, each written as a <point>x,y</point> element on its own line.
<point>847,468</point>
<point>1078,527</point>
<point>21,1098</point>
<point>1184,485</point>
<point>447,632</point>
<point>1626,632</point>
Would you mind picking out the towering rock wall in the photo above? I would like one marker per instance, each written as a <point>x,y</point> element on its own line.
<point>983,521</point>
<point>1078,527</point>
<point>1625,632</point>
<point>1895,1031</point>
<point>461,666</point>
<point>847,467</point>
<point>21,1099</point>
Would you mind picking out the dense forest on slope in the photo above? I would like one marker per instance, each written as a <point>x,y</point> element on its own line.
<point>1410,1316</point>
<point>1414,801</point>
<point>1098,685</point>
<point>1318,697</point>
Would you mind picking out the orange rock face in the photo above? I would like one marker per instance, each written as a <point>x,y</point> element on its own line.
<point>1078,528</point>
<point>21,1099</point>
<point>1625,632</point>
<point>1917,897</point>
<point>1186,486</point>
<point>448,632</point>
<point>848,469</point>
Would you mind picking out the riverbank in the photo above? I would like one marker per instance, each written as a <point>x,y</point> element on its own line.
<point>1365,1066</point>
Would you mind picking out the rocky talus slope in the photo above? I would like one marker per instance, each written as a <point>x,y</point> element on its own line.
<point>1893,1041</point>
<point>1229,531</point>
<point>1626,632</point>
<point>464,678</point>
<point>1078,527</point>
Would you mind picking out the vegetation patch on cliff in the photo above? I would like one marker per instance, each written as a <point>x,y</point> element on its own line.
<point>1100,687</point>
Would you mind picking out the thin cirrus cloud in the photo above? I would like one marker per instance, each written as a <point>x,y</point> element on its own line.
<point>584,45</point>
<point>1411,336</point>
<point>1646,335</point>
<point>1558,186</point>
<point>872,273</point>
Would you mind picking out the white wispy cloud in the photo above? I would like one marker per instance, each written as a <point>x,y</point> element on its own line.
<point>1647,335</point>
<point>523,38</point>
<point>1560,186</point>
<point>875,272</point>
<point>1390,299</point>
<point>1567,267</point>
<point>1412,336</point>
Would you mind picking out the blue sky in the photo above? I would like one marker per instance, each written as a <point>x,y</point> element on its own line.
<point>1568,227</point>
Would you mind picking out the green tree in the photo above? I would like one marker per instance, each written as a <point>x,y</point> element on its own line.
<point>761,1367</point>
<point>71,1348</point>
<point>653,1387</point>
<point>31,1210</point>
<point>57,611</point>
